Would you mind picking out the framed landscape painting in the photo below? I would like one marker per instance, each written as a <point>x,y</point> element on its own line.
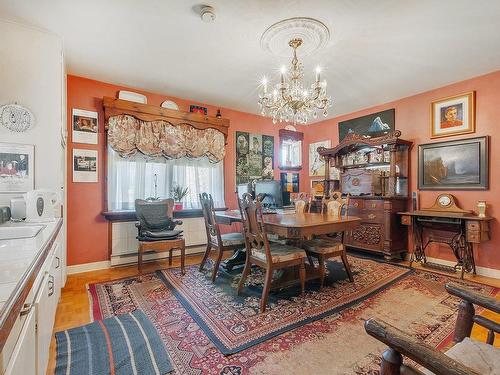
<point>454,165</point>
<point>373,125</point>
<point>454,115</point>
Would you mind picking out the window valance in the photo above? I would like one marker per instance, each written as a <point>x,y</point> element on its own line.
<point>127,135</point>
<point>155,131</point>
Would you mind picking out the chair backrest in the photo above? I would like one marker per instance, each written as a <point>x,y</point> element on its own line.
<point>155,215</point>
<point>334,204</point>
<point>303,203</point>
<point>211,226</point>
<point>254,230</point>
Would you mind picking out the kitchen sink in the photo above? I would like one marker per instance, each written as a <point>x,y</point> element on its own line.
<point>11,232</point>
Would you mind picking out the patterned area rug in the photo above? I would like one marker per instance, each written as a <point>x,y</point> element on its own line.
<point>234,323</point>
<point>335,344</point>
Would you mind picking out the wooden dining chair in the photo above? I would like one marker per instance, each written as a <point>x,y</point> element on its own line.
<point>216,240</point>
<point>303,203</point>
<point>263,253</point>
<point>326,247</point>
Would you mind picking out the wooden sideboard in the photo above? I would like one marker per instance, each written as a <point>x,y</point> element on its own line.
<point>380,230</point>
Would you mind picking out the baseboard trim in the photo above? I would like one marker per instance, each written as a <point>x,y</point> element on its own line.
<point>127,260</point>
<point>482,271</point>
<point>87,267</point>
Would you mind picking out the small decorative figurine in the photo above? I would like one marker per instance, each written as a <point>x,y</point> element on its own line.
<point>218,115</point>
<point>481,208</point>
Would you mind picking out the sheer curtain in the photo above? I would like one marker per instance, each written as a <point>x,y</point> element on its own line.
<point>135,177</point>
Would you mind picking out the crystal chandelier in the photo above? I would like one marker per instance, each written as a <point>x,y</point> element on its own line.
<point>291,100</point>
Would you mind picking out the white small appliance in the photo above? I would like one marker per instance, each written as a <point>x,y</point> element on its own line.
<point>18,208</point>
<point>41,205</point>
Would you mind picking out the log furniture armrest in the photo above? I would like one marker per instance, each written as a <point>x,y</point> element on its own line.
<point>473,297</point>
<point>401,343</point>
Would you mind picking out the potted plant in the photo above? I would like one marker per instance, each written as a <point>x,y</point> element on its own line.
<point>178,193</point>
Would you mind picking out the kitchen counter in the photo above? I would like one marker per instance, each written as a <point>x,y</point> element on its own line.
<point>20,261</point>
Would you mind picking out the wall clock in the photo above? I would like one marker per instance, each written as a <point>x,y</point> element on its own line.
<point>16,118</point>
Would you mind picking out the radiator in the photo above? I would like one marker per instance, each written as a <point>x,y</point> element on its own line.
<point>124,244</point>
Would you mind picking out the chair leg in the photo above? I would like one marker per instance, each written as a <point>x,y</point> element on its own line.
<point>267,288</point>
<point>183,259</point>
<point>217,264</point>
<point>322,271</point>
<point>246,271</point>
<point>139,260</point>
<point>170,257</point>
<point>205,257</point>
<point>302,274</point>
<point>347,267</point>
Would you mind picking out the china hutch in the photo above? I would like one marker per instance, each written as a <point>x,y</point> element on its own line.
<point>374,172</point>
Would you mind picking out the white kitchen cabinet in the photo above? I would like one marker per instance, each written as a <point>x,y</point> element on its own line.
<point>22,360</point>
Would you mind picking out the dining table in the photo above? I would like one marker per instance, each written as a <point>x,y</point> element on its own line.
<point>293,227</point>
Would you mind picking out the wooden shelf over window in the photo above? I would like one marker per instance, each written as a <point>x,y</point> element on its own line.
<point>147,112</point>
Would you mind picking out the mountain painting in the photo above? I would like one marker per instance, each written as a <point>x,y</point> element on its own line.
<point>373,125</point>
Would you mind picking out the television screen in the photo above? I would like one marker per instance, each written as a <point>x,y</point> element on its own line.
<point>272,193</point>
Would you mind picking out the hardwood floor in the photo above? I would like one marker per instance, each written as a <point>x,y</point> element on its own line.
<point>73,308</point>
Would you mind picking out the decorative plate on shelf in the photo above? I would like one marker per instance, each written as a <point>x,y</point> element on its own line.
<point>16,118</point>
<point>170,105</point>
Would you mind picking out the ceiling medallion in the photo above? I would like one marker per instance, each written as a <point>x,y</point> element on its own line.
<point>291,100</point>
<point>314,34</point>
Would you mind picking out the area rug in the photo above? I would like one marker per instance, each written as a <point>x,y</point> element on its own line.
<point>234,323</point>
<point>121,345</point>
<point>335,344</point>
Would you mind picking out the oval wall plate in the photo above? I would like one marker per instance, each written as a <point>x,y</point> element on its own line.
<point>16,118</point>
<point>170,105</point>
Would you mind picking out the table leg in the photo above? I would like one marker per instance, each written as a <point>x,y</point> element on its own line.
<point>183,258</point>
<point>139,260</point>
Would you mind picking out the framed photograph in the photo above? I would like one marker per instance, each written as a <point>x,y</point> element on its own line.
<point>17,172</point>
<point>85,165</point>
<point>454,165</point>
<point>316,163</point>
<point>198,109</point>
<point>85,126</point>
<point>373,125</point>
<point>454,115</point>
<point>254,157</point>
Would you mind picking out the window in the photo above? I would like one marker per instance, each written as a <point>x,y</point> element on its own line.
<point>135,177</point>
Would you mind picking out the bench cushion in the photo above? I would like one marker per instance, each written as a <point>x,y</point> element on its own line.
<point>478,356</point>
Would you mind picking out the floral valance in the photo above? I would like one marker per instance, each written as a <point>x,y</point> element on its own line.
<point>127,135</point>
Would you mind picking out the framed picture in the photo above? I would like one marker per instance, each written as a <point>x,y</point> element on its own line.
<point>254,157</point>
<point>374,125</point>
<point>454,115</point>
<point>454,165</point>
<point>317,187</point>
<point>17,172</point>
<point>85,126</point>
<point>85,164</point>
<point>316,163</point>
<point>198,109</point>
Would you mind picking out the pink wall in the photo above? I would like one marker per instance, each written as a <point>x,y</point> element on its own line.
<point>88,230</point>
<point>413,120</point>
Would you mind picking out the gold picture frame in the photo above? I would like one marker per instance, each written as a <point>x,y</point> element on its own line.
<point>453,115</point>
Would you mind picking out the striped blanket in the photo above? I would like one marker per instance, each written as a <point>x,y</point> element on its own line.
<point>121,345</point>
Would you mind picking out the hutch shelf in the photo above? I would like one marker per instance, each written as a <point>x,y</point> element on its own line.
<point>374,172</point>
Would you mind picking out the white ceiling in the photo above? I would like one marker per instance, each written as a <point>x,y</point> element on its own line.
<point>379,50</point>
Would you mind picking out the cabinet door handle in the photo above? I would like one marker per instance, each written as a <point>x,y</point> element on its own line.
<point>26,309</point>
<point>58,262</point>
<point>51,285</point>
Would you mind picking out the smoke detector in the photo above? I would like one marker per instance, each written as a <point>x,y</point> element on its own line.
<point>207,14</point>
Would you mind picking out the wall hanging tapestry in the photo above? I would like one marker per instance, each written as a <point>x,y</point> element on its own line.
<point>374,125</point>
<point>254,157</point>
<point>128,135</point>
